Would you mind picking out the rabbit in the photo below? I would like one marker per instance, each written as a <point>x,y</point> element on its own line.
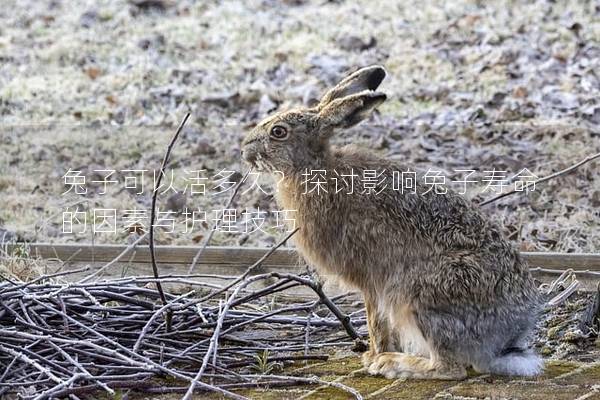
<point>443,289</point>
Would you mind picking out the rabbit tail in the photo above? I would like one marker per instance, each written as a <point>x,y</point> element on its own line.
<point>516,361</point>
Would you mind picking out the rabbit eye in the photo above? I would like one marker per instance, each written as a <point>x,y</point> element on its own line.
<point>279,132</point>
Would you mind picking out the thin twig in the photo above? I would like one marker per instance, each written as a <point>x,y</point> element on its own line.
<point>165,161</point>
<point>208,237</point>
<point>541,180</point>
<point>115,260</point>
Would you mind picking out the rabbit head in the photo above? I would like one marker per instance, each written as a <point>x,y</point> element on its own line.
<point>293,140</point>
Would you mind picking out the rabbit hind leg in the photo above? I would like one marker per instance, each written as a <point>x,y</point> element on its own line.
<point>418,359</point>
<point>380,334</point>
<point>401,365</point>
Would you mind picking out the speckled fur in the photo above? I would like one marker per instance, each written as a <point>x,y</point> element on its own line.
<point>443,288</point>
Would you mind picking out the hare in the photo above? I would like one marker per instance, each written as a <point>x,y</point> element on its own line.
<point>443,289</point>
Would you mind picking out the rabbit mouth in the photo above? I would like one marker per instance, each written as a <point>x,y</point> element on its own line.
<point>260,164</point>
<point>256,160</point>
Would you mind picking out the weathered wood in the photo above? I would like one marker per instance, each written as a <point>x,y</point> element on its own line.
<point>576,261</point>
<point>164,254</point>
<point>240,256</point>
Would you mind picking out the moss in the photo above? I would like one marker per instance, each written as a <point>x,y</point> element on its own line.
<point>367,384</point>
<point>414,390</point>
<point>271,394</point>
<point>553,332</point>
<point>546,351</point>
<point>552,369</point>
<point>330,393</point>
<point>339,367</point>
<point>529,391</point>
<point>587,377</point>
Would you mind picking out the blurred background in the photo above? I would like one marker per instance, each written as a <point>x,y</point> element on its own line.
<point>96,86</point>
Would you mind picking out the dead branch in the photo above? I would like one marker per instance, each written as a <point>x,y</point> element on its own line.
<point>165,161</point>
<point>541,180</point>
<point>212,231</point>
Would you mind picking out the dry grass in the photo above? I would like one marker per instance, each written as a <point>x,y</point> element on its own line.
<point>19,266</point>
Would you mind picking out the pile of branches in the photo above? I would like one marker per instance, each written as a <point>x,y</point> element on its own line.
<point>72,339</point>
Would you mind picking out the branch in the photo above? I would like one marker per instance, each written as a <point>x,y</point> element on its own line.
<point>318,289</point>
<point>212,231</point>
<point>541,180</point>
<point>159,288</point>
<point>115,260</point>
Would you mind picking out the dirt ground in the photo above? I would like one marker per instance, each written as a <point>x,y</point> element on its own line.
<point>97,87</point>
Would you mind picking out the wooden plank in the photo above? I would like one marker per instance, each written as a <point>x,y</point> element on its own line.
<point>241,256</point>
<point>164,254</point>
<point>576,261</point>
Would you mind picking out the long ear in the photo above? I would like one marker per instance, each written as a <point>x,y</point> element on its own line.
<point>368,78</point>
<point>348,111</point>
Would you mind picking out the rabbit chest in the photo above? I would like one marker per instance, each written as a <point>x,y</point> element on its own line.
<point>327,238</point>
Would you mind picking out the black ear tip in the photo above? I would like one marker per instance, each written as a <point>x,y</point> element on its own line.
<point>376,77</point>
<point>380,97</point>
<point>373,99</point>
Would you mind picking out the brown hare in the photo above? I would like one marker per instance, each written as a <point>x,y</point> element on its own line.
<point>444,290</point>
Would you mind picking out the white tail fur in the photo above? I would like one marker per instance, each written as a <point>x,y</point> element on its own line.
<point>517,363</point>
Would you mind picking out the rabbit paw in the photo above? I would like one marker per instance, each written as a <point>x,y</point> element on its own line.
<point>400,365</point>
<point>367,358</point>
<point>390,365</point>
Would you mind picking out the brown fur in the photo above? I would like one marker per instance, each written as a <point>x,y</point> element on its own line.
<point>443,288</point>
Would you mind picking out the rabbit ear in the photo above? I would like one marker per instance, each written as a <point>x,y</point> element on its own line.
<point>348,111</point>
<point>368,78</point>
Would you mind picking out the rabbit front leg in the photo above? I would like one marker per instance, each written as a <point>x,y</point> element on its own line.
<point>380,338</point>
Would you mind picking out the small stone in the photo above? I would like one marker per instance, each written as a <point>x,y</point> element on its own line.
<point>144,44</point>
<point>576,28</point>
<point>243,239</point>
<point>156,41</point>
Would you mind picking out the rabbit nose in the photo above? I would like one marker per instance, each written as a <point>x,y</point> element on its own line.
<point>249,156</point>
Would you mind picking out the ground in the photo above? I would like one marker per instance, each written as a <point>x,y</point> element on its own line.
<point>561,380</point>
